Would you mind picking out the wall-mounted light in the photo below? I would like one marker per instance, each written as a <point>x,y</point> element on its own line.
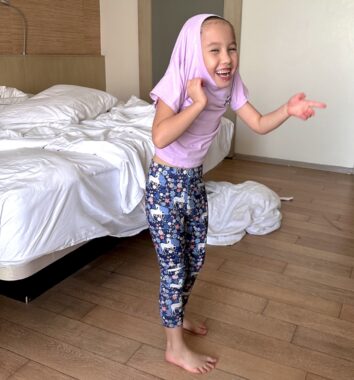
<point>7,3</point>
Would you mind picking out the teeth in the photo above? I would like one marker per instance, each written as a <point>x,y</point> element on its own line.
<point>223,72</point>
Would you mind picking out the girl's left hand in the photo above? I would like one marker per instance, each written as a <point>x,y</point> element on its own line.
<point>299,107</point>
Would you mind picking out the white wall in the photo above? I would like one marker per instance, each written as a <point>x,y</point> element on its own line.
<point>119,44</point>
<point>290,46</point>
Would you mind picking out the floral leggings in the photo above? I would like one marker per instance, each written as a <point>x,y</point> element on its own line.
<point>177,212</point>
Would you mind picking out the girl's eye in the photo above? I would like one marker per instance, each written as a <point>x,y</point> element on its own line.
<point>214,50</point>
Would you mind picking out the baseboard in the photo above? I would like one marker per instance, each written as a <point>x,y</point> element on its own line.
<point>299,164</point>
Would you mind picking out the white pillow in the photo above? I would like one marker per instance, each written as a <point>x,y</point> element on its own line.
<point>60,104</point>
<point>10,95</point>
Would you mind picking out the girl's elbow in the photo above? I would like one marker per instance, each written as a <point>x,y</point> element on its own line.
<point>257,129</point>
<point>158,142</point>
<point>260,129</point>
<point>261,132</point>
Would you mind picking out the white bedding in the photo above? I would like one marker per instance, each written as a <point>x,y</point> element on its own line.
<point>59,103</point>
<point>62,184</point>
<point>235,210</point>
<point>10,95</point>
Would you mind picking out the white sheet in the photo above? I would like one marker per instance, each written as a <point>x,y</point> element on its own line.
<point>236,209</point>
<point>62,184</point>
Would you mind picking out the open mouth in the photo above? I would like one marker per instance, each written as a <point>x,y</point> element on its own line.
<point>224,74</point>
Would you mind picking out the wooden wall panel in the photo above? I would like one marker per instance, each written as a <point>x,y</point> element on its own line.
<point>145,49</point>
<point>34,73</point>
<point>54,27</point>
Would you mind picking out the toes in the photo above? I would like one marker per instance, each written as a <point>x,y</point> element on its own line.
<point>211,360</point>
<point>207,367</point>
<point>209,364</point>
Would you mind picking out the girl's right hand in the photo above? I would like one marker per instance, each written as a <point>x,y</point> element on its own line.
<point>195,91</point>
<point>302,108</point>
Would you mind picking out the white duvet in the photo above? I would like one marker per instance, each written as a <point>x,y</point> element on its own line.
<point>63,184</point>
<point>235,210</point>
<point>127,148</point>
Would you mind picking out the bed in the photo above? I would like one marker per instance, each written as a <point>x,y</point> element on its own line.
<point>73,162</point>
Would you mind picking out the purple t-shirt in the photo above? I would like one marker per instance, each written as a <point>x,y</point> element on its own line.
<point>190,149</point>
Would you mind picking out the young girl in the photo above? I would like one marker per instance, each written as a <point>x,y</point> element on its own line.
<point>200,82</point>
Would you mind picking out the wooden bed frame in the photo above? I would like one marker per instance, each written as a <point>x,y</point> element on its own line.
<point>49,270</point>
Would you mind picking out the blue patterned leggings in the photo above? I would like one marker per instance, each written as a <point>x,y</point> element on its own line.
<point>177,212</point>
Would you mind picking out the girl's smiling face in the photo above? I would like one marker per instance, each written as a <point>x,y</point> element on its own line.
<point>219,51</point>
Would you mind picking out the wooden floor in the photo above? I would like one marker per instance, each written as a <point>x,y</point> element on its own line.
<point>278,307</point>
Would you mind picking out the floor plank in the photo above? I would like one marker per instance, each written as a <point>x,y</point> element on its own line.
<point>69,331</point>
<point>347,313</point>
<point>9,363</point>
<point>36,371</point>
<point>309,319</point>
<point>308,259</point>
<point>62,357</point>
<point>332,345</point>
<point>285,353</point>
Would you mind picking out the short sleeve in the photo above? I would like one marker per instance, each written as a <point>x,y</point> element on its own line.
<point>170,90</point>
<point>239,94</point>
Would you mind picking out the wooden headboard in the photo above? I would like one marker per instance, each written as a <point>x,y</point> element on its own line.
<point>34,73</point>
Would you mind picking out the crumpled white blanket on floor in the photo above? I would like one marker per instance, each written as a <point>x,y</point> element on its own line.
<point>236,209</point>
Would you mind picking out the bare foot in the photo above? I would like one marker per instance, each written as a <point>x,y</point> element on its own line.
<point>198,328</point>
<point>190,361</point>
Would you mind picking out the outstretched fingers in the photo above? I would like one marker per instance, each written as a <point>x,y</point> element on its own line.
<point>302,108</point>
<point>313,103</point>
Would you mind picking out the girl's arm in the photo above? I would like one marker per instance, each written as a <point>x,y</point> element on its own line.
<point>168,126</point>
<point>297,106</point>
